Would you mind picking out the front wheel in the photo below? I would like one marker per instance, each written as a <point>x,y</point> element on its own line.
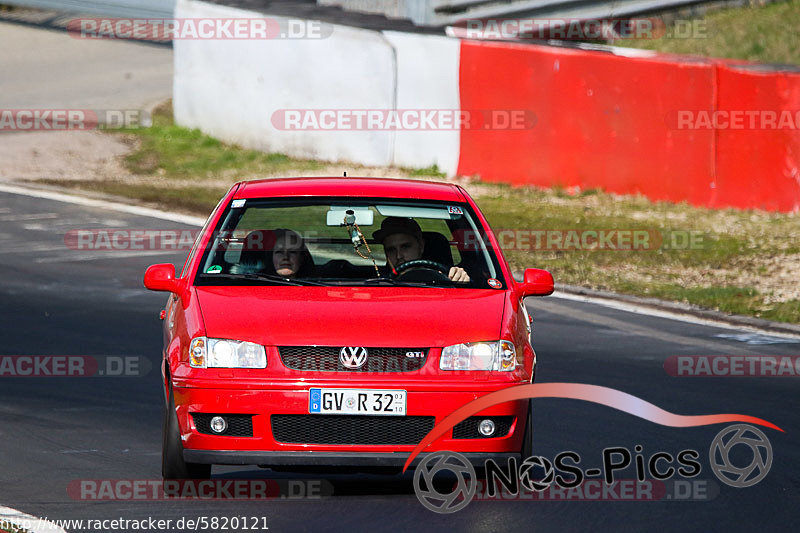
<point>172,464</point>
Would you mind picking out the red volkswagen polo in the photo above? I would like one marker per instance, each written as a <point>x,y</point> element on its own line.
<point>334,321</point>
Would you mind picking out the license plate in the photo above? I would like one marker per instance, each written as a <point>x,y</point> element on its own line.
<point>357,402</point>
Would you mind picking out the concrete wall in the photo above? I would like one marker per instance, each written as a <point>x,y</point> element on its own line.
<point>235,89</point>
<point>231,89</point>
<point>427,78</point>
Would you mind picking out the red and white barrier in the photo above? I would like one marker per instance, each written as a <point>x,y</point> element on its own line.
<point>601,120</point>
<point>758,167</point>
<point>670,128</point>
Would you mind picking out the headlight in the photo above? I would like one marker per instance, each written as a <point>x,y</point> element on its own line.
<point>497,355</point>
<point>224,353</point>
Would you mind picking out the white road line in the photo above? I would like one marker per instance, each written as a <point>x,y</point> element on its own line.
<point>757,339</point>
<point>198,221</point>
<point>28,522</point>
<point>32,247</point>
<point>93,256</point>
<point>93,450</point>
<point>103,204</point>
<point>670,315</point>
<point>27,216</point>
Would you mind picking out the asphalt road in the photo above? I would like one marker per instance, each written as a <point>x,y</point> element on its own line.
<point>48,69</point>
<point>53,431</point>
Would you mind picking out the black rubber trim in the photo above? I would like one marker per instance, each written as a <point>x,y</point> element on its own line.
<point>348,429</point>
<point>225,457</point>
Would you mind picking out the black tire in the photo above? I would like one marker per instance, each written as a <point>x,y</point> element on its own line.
<point>527,442</point>
<point>172,464</point>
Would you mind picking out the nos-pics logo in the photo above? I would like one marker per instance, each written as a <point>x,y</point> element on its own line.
<point>445,496</point>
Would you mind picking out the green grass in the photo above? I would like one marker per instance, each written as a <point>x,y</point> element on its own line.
<point>729,299</point>
<point>173,152</point>
<point>196,199</point>
<point>431,171</point>
<point>764,34</point>
<point>736,247</point>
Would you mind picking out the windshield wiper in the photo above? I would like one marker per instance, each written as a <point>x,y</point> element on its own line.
<point>268,277</point>
<point>395,281</point>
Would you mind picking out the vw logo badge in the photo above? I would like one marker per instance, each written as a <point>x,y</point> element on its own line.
<point>353,356</point>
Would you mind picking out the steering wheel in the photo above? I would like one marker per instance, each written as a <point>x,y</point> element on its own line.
<point>423,270</point>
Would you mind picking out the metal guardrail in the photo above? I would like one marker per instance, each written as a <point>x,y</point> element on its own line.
<point>108,8</point>
<point>420,12</point>
<point>443,12</point>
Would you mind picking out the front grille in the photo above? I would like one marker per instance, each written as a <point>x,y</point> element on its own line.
<point>348,429</point>
<point>326,359</point>
<point>238,425</point>
<point>468,429</point>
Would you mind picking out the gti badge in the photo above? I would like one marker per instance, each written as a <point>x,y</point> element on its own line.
<point>353,356</point>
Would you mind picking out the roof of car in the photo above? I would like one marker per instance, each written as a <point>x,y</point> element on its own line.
<point>353,187</point>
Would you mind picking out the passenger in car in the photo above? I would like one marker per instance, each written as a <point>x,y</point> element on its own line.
<point>281,252</point>
<point>403,241</point>
<point>290,256</point>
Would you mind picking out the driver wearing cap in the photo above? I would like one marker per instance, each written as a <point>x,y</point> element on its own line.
<point>402,241</point>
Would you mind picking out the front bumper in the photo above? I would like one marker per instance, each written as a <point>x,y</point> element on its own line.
<point>423,399</point>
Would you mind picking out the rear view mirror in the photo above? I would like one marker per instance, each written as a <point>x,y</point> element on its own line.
<point>364,216</point>
<point>537,282</point>
<point>161,278</point>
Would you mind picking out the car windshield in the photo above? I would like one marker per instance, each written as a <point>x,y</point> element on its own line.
<point>349,242</point>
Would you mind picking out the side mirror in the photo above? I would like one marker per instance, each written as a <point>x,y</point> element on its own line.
<point>537,282</point>
<point>161,278</point>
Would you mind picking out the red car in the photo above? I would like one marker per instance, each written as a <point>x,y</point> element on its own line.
<point>334,321</point>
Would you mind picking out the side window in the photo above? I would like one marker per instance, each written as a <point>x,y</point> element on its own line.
<point>457,259</point>
<point>234,247</point>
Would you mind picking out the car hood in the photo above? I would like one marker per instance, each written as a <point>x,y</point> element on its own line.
<point>351,316</point>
